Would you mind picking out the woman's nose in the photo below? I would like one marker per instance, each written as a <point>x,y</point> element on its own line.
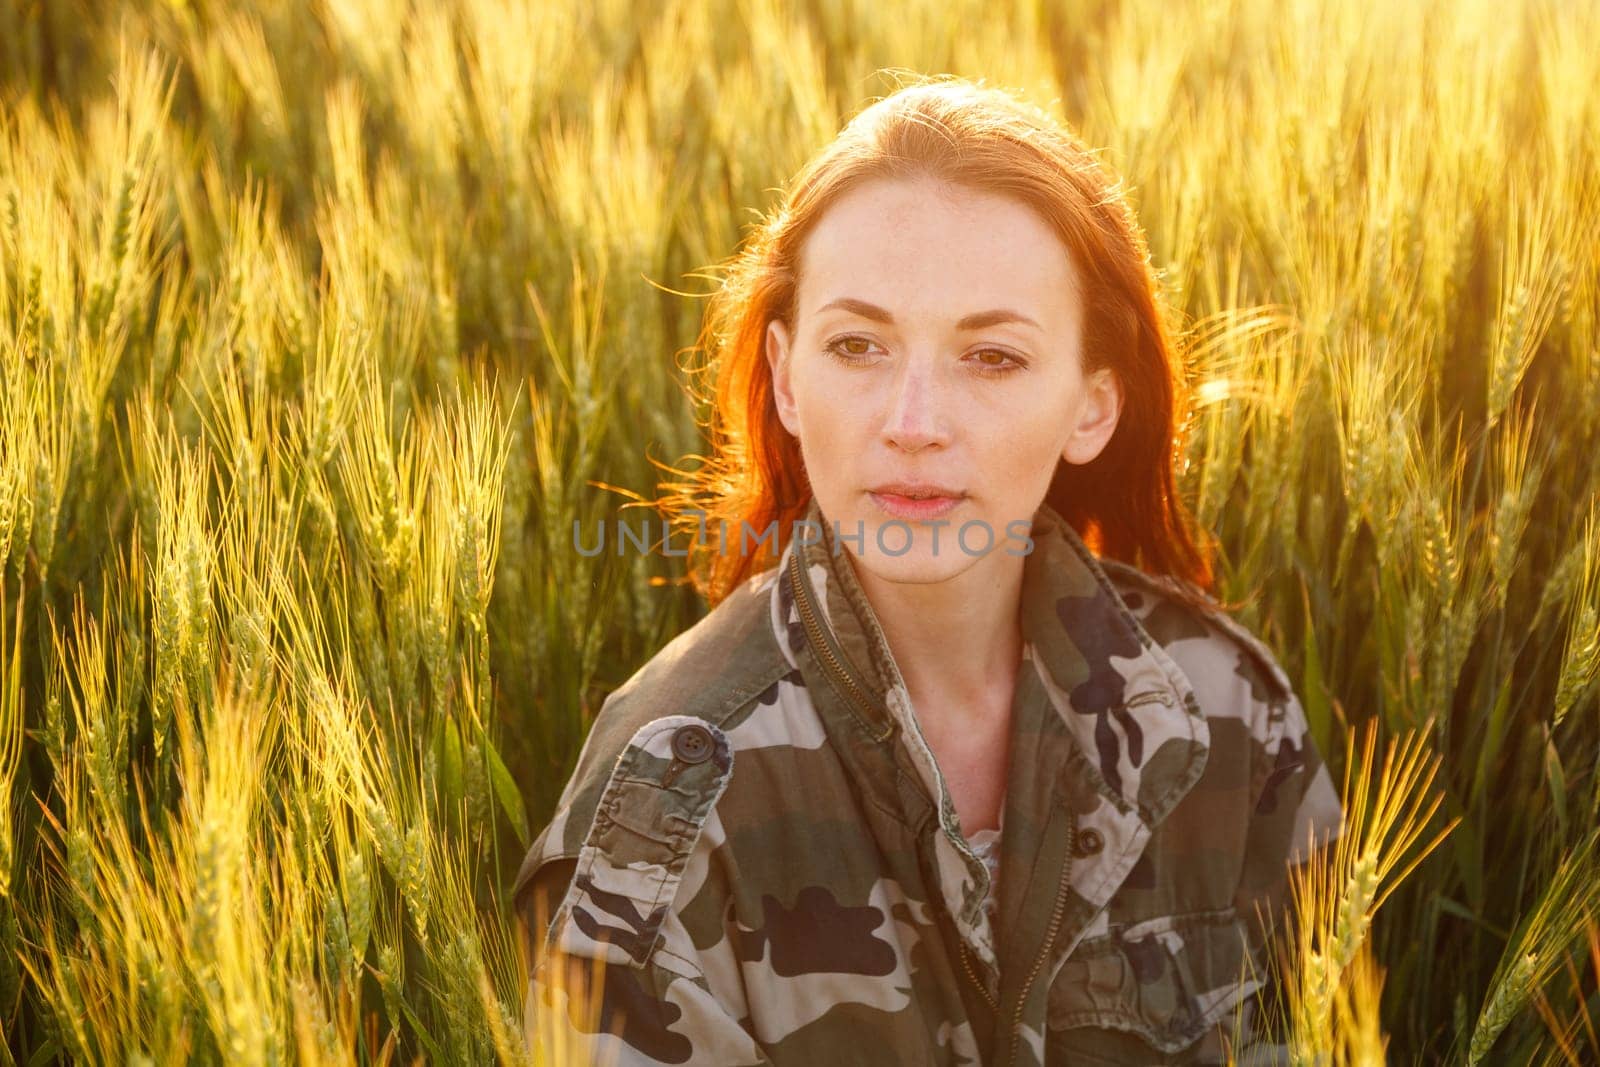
<point>915,420</point>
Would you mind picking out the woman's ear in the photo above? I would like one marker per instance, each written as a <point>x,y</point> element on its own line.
<point>778,352</point>
<point>1096,418</point>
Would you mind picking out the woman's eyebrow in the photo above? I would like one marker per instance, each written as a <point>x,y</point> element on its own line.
<point>976,321</point>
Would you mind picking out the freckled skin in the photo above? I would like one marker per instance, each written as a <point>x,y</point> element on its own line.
<point>923,403</point>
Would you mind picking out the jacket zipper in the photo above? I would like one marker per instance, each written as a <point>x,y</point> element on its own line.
<point>843,681</point>
<point>966,965</point>
<point>1049,935</point>
<point>848,688</point>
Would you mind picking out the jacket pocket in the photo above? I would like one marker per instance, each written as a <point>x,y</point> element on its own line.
<point>1165,981</point>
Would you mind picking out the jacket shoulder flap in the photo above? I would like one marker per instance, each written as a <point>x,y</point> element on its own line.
<point>1221,656</point>
<point>655,762</point>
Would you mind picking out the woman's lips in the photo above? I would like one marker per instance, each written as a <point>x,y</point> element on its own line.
<point>905,507</point>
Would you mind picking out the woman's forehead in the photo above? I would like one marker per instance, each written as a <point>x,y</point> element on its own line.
<point>920,247</point>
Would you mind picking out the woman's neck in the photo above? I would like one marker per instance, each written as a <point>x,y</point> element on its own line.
<point>957,643</point>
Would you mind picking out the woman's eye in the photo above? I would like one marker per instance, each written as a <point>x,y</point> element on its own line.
<point>849,349</point>
<point>996,361</point>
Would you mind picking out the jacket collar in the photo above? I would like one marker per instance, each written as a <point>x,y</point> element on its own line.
<point>1104,722</point>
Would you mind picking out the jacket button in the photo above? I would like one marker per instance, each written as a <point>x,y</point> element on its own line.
<point>1088,842</point>
<point>692,743</point>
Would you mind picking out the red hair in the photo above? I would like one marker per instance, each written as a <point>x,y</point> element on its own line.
<point>1123,503</point>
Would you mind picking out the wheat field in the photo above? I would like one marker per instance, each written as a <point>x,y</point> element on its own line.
<point>322,321</point>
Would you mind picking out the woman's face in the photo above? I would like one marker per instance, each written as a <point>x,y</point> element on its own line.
<point>936,344</point>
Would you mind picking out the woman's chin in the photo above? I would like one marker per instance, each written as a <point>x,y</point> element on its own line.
<point>920,565</point>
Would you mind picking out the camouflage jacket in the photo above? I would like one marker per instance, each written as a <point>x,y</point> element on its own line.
<point>759,846</point>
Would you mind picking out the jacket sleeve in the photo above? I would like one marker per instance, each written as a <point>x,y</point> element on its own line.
<point>1295,816</point>
<point>616,974</point>
<point>1296,809</point>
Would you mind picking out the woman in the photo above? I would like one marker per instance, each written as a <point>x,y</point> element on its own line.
<point>964,766</point>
